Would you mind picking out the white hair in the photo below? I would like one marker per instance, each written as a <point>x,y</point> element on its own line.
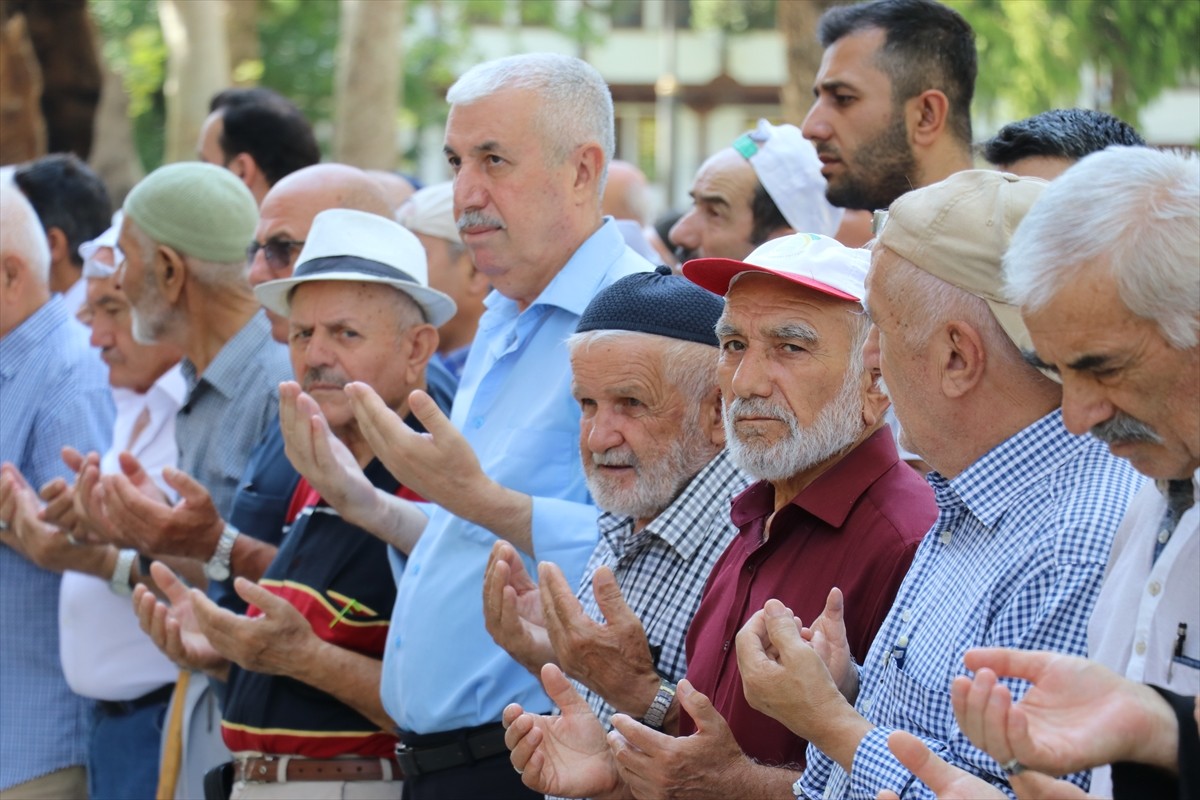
<point>1132,211</point>
<point>213,275</point>
<point>21,232</point>
<point>688,367</point>
<point>934,302</point>
<point>576,105</point>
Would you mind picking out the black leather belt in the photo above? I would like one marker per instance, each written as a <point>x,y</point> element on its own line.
<point>461,748</point>
<point>120,708</point>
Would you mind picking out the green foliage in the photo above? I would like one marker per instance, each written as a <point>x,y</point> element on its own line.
<point>133,47</point>
<point>734,16</point>
<point>1032,54</point>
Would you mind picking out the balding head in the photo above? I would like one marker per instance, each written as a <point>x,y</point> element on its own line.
<point>24,258</point>
<point>395,187</point>
<point>626,195</point>
<point>287,213</point>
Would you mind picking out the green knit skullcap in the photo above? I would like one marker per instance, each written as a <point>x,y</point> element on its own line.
<point>200,210</point>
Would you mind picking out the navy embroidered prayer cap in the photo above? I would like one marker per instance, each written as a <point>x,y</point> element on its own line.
<point>346,245</point>
<point>656,302</point>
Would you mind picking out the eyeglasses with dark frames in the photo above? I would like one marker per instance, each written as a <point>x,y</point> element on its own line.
<point>279,252</point>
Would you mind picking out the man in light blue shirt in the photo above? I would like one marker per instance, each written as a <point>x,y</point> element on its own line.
<point>529,138</point>
<point>53,392</point>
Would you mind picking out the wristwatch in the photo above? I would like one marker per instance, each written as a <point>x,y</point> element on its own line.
<point>119,582</point>
<point>657,713</point>
<point>217,568</point>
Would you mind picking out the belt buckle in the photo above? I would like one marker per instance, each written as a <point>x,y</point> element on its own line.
<point>407,761</point>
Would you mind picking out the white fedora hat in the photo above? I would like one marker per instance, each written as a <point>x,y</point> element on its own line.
<point>345,245</point>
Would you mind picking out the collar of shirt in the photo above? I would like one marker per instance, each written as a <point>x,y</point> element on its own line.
<point>674,525</point>
<point>22,340</point>
<point>832,496</point>
<point>990,487</point>
<point>227,370</point>
<point>575,284</point>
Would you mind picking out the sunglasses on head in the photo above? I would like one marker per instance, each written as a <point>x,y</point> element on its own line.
<point>278,252</point>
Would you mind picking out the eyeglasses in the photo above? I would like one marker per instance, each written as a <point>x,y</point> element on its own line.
<point>278,252</point>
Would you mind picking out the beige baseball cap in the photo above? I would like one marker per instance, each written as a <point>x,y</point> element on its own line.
<point>959,229</point>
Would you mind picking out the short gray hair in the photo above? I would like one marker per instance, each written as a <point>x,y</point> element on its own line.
<point>689,367</point>
<point>577,106</point>
<point>21,231</point>
<point>936,302</point>
<point>209,274</point>
<point>1132,211</point>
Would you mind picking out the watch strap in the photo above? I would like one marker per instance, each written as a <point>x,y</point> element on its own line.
<point>119,582</point>
<point>656,715</point>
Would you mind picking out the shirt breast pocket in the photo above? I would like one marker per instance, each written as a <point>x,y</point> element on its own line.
<point>914,705</point>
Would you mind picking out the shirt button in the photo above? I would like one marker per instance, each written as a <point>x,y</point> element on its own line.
<point>946,535</point>
<point>905,615</point>
<point>866,706</point>
<point>902,641</point>
<point>478,423</point>
<point>1155,588</point>
<point>1140,648</point>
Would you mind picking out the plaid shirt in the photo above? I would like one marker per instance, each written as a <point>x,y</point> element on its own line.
<point>662,569</point>
<point>1014,559</point>
<point>228,409</point>
<point>53,392</point>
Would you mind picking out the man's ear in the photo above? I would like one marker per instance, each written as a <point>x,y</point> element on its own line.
<point>875,402</point>
<point>928,113</point>
<point>60,248</point>
<point>588,163</point>
<point>963,358</point>
<point>712,418</point>
<point>422,344</point>
<point>171,272</point>
<point>12,271</point>
<point>245,167</point>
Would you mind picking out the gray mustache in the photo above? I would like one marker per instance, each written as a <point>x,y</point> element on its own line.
<point>1124,428</point>
<point>472,219</point>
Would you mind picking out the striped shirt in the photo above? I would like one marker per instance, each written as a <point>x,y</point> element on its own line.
<point>1014,559</point>
<point>662,569</point>
<point>53,392</point>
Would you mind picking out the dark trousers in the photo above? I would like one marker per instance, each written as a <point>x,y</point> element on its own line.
<point>493,778</point>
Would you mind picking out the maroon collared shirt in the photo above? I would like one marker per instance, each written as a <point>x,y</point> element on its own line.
<point>856,527</point>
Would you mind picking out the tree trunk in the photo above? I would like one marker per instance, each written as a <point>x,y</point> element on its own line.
<point>245,54</point>
<point>367,83</point>
<point>63,39</point>
<point>797,20</point>
<point>197,68</point>
<point>22,126</point>
<point>114,154</point>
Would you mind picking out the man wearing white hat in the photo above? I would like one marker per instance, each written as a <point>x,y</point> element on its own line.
<point>834,508</point>
<point>430,215</point>
<point>359,309</point>
<point>766,184</point>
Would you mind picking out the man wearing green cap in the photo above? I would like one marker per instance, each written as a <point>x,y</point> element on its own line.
<point>184,238</point>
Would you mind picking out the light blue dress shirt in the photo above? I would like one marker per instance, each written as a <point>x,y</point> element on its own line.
<point>441,670</point>
<point>53,392</point>
<point>1014,559</point>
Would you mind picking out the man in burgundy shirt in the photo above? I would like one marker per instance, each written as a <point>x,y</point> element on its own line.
<point>834,507</point>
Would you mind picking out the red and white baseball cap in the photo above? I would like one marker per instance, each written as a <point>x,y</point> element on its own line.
<point>811,260</point>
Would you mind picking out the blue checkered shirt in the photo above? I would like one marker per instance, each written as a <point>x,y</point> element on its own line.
<point>1014,559</point>
<point>53,392</point>
<point>662,569</point>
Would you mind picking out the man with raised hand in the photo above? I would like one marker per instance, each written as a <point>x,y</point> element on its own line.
<point>529,138</point>
<point>1116,315</point>
<point>1026,510</point>
<point>644,372</point>
<point>359,309</point>
<point>833,508</point>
